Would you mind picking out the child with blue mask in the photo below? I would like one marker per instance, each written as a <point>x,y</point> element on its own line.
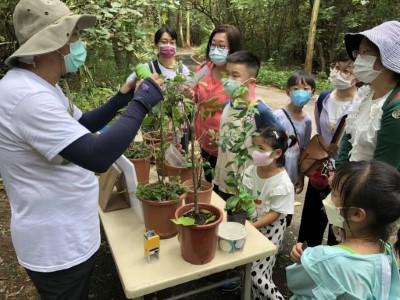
<point>242,68</point>
<point>300,89</point>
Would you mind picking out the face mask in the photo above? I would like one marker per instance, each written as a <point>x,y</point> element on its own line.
<point>363,68</point>
<point>218,57</point>
<point>340,83</point>
<point>167,51</point>
<point>76,57</point>
<point>333,212</point>
<point>300,97</point>
<point>262,159</point>
<point>233,88</point>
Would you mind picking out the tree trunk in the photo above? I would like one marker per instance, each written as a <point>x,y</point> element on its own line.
<point>179,21</point>
<point>188,26</point>
<point>311,37</point>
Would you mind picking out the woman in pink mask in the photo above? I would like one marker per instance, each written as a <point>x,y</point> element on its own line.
<point>165,40</point>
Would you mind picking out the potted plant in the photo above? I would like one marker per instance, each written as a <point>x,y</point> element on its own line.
<point>161,199</point>
<point>198,222</point>
<point>236,138</point>
<point>140,155</point>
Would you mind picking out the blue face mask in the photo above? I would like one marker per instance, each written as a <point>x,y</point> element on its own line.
<point>218,57</point>
<point>76,58</point>
<point>300,97</point>
<point>234,88</point>
<point>231,87</point>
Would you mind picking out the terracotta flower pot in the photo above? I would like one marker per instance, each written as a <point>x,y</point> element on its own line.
<point>203,194</point>
<point>157,216</point>
<point>199,243</point>
<point>152,137</point>
<point>183,173</point>
<point>142,168</point>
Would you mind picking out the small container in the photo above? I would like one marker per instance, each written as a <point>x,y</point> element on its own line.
<point>151,246</point>
<point>231,237</point>
<point>174,157</point>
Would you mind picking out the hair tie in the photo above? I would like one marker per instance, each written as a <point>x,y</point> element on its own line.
<point>276,134</point>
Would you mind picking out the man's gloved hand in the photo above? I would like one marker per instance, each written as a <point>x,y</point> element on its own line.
<point>149,92</point>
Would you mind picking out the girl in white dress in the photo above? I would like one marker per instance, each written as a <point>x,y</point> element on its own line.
<point>268,181</point>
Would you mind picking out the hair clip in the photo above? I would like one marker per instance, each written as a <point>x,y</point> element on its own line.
<point>276,134</point>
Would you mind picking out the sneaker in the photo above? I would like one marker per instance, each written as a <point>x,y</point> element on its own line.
<point>232,285</point>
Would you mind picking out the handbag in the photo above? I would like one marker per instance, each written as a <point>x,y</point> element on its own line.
<point>316,156</point>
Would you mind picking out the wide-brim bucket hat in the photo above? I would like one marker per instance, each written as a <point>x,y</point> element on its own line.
<point>43,26</point>
<point>386,37</point>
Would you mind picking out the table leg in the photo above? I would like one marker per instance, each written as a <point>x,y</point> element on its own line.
<point>246,290</point>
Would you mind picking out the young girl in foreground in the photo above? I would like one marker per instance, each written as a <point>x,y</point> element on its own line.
<point>268,181</point>
<point>364,204</point>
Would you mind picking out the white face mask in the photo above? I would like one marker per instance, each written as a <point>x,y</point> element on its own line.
<point>363,68</point>
<point>333,212</point>
<point>340,83</point>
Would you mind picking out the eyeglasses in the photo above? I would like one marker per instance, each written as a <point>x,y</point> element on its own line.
<point>219,47</point>
<point>345,73</point>
<point>165,42</point>
<point>356,53</point>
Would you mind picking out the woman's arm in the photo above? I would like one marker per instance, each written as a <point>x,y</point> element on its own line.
<point>388,138</point>
<point>345,147</point>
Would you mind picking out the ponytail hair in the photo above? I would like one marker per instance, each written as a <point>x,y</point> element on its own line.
<point>396,245</point>
<point>375,187</point>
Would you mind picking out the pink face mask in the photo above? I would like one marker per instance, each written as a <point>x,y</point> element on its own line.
<point>167,51</point>
<point>262,159</point>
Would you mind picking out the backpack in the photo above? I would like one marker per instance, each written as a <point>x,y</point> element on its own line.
<point>157,67</point>
<point>321,99</point>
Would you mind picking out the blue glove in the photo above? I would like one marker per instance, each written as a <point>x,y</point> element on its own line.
<point>148,94</point>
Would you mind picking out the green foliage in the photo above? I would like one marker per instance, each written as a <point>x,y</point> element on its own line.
<point>278,78</point>
<point>195,220</point>
<point>234,139</point>
<point>242,202</point>
<point>160,191</point>
<point>138,150</point>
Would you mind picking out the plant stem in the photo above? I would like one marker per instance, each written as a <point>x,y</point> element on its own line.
<point>162,144</point>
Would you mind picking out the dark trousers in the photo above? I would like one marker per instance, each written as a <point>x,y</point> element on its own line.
<point>224,195</point>
<point>72,283</point>
<point>313,218</point>
<point>209,170</point>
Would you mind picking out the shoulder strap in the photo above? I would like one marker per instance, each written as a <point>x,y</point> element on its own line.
<point>321,99</point>
<point>150,67</point>
<point>333,147</point>
<point>157,67</point>
<point>291,122</point>
<point>180,69</point>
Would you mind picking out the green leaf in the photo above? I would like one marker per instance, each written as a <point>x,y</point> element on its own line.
<point>209,103</point>
<point>185,221</point>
